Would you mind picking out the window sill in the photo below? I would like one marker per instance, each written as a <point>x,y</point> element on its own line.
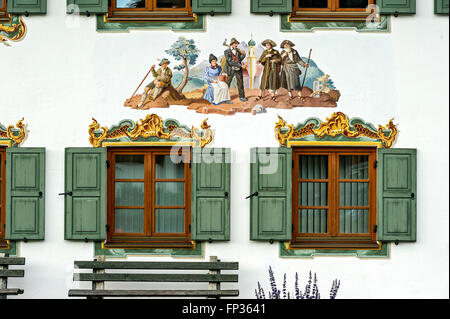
<point>195,252</point>
<point>355,245</point>
<point>301,16</point>
<point>287,25</point>
<point>159,16</point>
<point>383,251</point>
<point>149,245</point>
<point>105,25</point>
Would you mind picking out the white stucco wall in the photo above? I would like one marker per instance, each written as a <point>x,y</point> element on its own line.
<point>58,78</point>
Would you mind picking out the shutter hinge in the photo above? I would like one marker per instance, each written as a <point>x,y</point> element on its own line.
<point>109,3</point>
<point>293,227</point>
<point>108,164</point>
<point>375,229</point>
<point>107,228</point>
<point>375,164</point>
<point>293,163</point>
<point>190,228</point>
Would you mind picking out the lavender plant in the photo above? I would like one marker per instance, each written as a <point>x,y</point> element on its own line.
<point>311,290</point>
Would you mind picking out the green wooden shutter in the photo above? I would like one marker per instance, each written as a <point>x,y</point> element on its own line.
<point>85,188</point>
<point>267,6</point>
<point>25,193</point>
<point>397,6</point>
<point>30,6</point>
<point>271,208</point>
<point>441,6</point>
<point>207,6</point>
<point>91,6</point>
<point>210,200</point>
<point>396,195</point>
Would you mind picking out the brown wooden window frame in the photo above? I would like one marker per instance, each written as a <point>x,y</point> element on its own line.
<point>3,242</point>
<point>150,239</point>
<point>150,13</point>
<point>332,13</point>
<point>4,16</point>
<point>333,239</point>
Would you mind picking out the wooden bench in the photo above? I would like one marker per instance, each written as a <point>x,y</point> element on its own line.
<point>99,276</point>
<point>5,273</point>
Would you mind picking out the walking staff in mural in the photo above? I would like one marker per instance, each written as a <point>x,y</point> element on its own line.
<point>290,74</point>
<point>163,79</point>
<point>233,67</point>
<point>218,91</point>
<point>271,59</point>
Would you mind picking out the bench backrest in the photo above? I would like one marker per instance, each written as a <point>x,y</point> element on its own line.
<point>5,262</point>
<point>213,267</point>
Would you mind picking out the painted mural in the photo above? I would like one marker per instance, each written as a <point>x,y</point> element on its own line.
<point>14,30</point>
<point>240,76</point>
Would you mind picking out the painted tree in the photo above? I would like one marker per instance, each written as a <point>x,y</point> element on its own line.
<point>186,51</point>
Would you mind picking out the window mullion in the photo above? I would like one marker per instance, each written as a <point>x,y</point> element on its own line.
<point>148,193</point>
<point>334,189</point>
<point>333,5</point>
<point>151,4</point>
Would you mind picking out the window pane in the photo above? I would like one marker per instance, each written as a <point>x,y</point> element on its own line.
<point>354,221</point>
<point>313,167</point>
<point>353,194</point>
<point>313,221</point>
<point>130,3</point>
<point>166,169</point>
<point>313,194</point>
<point>169,221</point>
<point>129,194</point>
<point>129,221</point>
<point>169,194</point>
<point>348,4</point>
<point>354,167</point>
<point>313,3</point>
<point>130,166</point>
<point>174,4</point>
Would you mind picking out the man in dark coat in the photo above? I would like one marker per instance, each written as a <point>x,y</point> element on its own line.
<point>233,67</point>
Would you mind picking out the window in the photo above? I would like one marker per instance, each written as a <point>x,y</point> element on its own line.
<point>2,196</point>
<point>334,197</point>
<point>347,10</point>
<point>148,197</point>
<point>3,11</point>
<point>154,10</point>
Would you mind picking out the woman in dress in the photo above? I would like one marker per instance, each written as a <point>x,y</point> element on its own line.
<point>218,91</point>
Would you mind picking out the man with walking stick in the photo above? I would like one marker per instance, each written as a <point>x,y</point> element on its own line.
<point>163,79</point>
<point>290,74</point>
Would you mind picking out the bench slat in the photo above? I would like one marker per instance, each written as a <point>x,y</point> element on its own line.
<point>12,261</point>
<point>157,265</point>
<point>155,277</point>
<point>153,293</point>
<point>10,292</point>
<point>12,273</point>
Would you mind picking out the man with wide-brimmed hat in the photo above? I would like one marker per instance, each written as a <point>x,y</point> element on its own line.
<point>290,74</point>
<point>163,79</point>
<point>271,59</point>
<point>233,66</point>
